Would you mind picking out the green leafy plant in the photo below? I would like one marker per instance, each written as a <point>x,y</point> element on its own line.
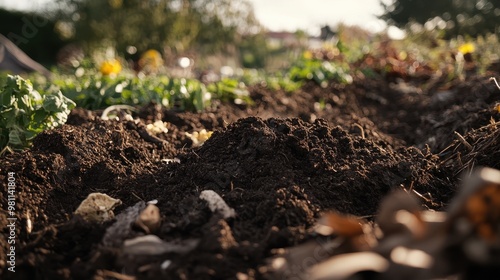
<point>96,92</point>
<point>274,81</point>
<point>188,94</point>
<point>319,71</point>
<point>24,112</point>
<point>230,90</point>
<point>283,82</point>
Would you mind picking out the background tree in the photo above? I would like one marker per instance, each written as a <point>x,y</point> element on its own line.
<point>253,51</point>
<point>180,25</point>
<point>454,17</point>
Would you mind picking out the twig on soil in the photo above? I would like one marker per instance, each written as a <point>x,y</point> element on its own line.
<point>6,149</point>
<point>430,200</point>
<point>283,154</point>
<point>411,185</point>
<point>126,159</point>
<point>463,141</point>
<point>360,128</point>
<point>365,217</point>
<point>137,196</point>
<point>495,80</point>
<point>472,168</point>
<point>411,189</point>
<point>107,273</point>
<point>105,113</point>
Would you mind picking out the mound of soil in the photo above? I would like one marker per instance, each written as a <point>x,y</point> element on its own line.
<point>278,164</point>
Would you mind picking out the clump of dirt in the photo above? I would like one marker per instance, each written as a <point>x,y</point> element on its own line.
<point>328,160</point>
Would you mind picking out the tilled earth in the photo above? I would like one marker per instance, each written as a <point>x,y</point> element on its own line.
<point>279,164</point>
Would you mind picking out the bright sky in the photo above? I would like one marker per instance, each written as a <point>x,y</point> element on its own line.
<point>310,15</point>
<point>289,15</point>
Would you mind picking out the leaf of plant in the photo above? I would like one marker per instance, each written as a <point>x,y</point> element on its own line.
<point>17,138</point>
<point>52,103</point>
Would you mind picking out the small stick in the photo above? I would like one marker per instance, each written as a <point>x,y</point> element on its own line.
<point>495,80</point>
<point>463,141</point>
<point>362,130</point>
<point>108,273</point>
<point>426,199</point>
<point>105,113</point>
<point>137,196</point>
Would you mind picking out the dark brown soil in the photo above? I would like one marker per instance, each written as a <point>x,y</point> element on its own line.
<point>279,164</point>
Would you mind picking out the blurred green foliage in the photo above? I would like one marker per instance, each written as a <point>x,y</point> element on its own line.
<point>230,90</point>
<point>254,51</point>
<point>98,92</point>
<point>181,25</point>
<point>282,82</point>
<point>320,72</point>
<point>452,17</point>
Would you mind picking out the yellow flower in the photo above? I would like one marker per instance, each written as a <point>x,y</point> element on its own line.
<point>307,55</point>
<point>466,48</point>
<point>115,4</point>
<point>151,61</point>
<point>497,108</point>
<point>110,67</point>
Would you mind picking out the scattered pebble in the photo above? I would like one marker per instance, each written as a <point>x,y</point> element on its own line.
<point>217,204</point>
<point>154,201</point>
<point>152,245</point>
<point>98,207</point>
<point>149,219</point>
<point>166,264</point>
<point>122,229</point>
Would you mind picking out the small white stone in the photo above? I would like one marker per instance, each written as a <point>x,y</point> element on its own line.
<point>154,201</point>
<point>216,203</point>
<point>170,160</point>
<point>166,264</point>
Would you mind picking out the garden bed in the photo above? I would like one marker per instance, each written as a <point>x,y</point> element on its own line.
<point>279,163</point>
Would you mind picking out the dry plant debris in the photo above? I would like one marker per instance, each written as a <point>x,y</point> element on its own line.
<point>406,240</point>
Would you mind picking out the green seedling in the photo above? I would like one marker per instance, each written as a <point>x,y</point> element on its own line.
<point>24,112</point>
